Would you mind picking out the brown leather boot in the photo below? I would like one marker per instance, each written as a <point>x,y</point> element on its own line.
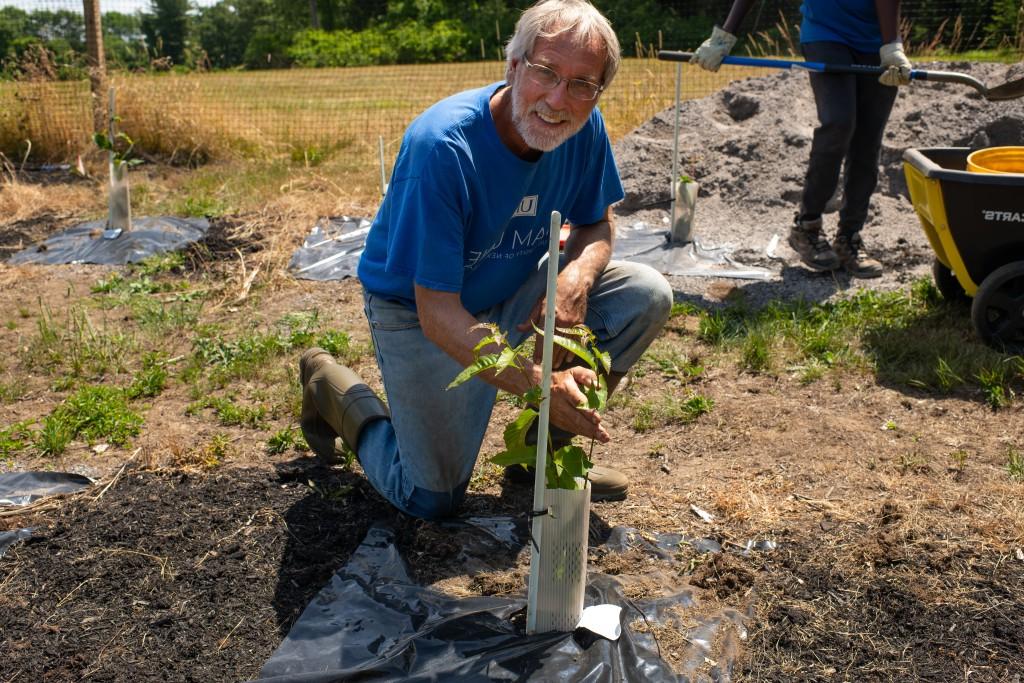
<point>806,240</point>
<point>850,250</point>
<point>606,484</point>
<point>335,402</point>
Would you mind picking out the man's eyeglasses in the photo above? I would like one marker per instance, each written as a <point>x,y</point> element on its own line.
<point>576,87</point>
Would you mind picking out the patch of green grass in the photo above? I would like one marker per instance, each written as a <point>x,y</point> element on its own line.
<point>118,283</point>
<point>161,264</point>
<point>1015,464</point>
<point>691,408</point>
<point>911,338</point>
<point>648,415</point>
<point>213,454</point>
<point>93,413</point>
<point>959,460</point>
<point>211,192</point>
<point>286,439</point>
<point>684,308</point>
<point>159,304</point>
<point>76,346</point>
<point>946,376</point>
<point>15,438</point>
<point>11,325</point>
<point>672,362</point>
<point>246,357</point>
<point>756,351</point>
<point>643,418</point>
<point>230,413</point>
<point>53,437</point>
<point>994,383</point>
<point>150,380</point>
<point>11,391</point>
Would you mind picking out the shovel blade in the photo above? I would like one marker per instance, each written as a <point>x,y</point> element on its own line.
<point>1010,90</point>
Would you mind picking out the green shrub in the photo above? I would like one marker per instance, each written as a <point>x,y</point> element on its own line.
<point>410,42</point>
<point>342,48</point>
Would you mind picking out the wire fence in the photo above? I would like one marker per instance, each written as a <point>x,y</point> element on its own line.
<point>192,111</point>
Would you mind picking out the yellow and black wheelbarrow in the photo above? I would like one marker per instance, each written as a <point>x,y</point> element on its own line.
<point>971,206</point>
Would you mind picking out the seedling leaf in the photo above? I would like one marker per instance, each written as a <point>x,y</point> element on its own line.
<point>481,364</point>
<point>515,432</point>
<point>523,455</point>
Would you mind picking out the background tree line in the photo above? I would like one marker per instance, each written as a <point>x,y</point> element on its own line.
<point>256,34</point>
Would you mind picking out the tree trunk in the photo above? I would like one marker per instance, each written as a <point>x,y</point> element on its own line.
<point>314,15</point>
<point>96,62</point>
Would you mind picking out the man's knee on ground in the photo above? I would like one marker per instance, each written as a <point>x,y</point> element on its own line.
<point>434,505</point>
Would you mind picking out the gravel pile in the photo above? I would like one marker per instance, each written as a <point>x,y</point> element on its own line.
<point>747,145</point>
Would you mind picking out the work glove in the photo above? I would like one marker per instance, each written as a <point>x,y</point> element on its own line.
<point>897,66</point>
<point>713,50</point>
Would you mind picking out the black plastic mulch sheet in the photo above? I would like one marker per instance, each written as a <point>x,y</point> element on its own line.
<point>371,622</point>
<point>22,488</point>
<point>9,538</point>
<point>332,249</point>
<point>92,243</point>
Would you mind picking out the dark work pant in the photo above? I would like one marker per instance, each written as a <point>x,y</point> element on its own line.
<point>852,113</point>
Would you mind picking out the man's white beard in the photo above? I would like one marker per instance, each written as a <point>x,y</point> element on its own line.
<point>535,136</point>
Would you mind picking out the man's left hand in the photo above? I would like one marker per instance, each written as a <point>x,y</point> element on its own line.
<point>897,66</point>
<point>570,310</point>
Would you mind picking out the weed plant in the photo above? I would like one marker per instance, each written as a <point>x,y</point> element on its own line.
<point>76,346</point>
<point>285,440</point>
<point>669,410</point>
<point>93,413</point>
<point>230,413</point>
<point>15,438</point>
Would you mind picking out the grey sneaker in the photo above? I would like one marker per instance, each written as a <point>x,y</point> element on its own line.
<point>806,240</point>
<point>849,249</point>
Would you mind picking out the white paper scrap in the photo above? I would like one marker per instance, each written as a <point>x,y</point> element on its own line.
<point>602,620</point>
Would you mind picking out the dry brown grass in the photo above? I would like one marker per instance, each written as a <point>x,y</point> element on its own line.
<point>21,201</point>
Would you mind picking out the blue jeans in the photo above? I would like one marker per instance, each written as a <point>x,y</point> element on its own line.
<point>852,111</point>
<point>421,460</point>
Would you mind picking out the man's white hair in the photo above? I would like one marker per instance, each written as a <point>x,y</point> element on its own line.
<point>550,18</point>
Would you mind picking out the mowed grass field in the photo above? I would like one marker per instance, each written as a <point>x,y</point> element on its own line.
<point>307,114</point>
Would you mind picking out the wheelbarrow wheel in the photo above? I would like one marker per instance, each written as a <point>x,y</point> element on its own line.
<point>998,308</point>
<point>947,284</point>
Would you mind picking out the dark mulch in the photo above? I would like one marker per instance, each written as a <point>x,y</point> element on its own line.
<point>176,577</point>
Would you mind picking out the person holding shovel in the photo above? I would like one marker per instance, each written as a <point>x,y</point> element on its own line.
<point>852,113</point>
<point>459,240</point>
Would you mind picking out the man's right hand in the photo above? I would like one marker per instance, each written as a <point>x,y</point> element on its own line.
<point>712,51</point>
<point>567,396</point>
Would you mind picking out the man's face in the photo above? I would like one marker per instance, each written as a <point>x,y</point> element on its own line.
<point>545,118</point>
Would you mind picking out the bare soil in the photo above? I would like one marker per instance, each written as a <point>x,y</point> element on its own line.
<point>899,557</point>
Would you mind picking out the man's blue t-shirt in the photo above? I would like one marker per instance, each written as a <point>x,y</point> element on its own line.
<point>851,22</point>
<point>462,213</point>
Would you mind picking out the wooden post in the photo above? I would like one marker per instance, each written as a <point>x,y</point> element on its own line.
<point>314,15</point>
<point>97,63</point>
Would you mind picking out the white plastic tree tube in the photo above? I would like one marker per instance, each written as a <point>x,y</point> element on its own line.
<point>543,420</point>
<point>119,204</point>
<point>558,563</point>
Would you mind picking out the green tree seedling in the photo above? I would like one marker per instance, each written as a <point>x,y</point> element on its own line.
<point>568,465</point>
<point>120,147</point>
